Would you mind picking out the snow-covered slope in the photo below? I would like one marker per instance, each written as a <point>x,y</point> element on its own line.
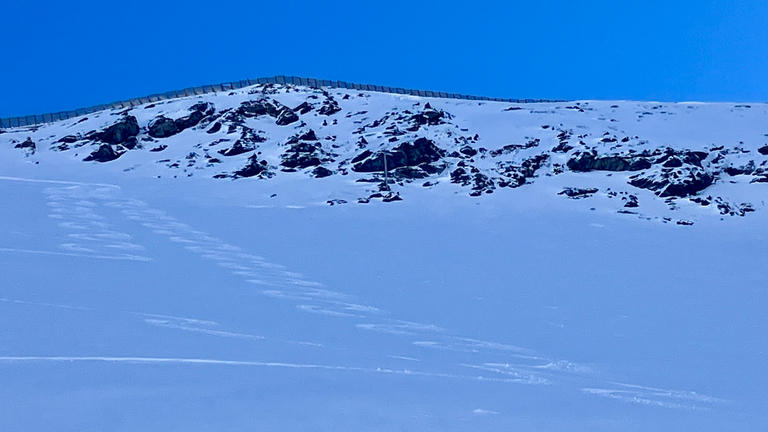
<point>244,261</point>
<point>672,162</point>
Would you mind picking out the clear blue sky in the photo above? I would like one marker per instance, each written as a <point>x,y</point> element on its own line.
<point>67,54</point>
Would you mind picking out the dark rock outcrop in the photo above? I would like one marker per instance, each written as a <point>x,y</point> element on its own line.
<point>248,141</point>
<point>578,193</point>
<point>586,162</point>
<point>321,172</point>
<point>286,117</point>
<point>105,153</point>
<point>119,132</point>
<point>421,152</point>
<point>257,108</point>
<point>329,108</point>
<point>303,108</point>
<point>429,117</point>
<point>631,202</point>
<point>676,182</point>
<point>763,150</point>
<point>255,168</point>
<point>28,146</point>
<point>163,127</point>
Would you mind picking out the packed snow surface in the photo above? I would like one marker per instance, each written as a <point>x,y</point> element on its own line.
<point>285,258</point>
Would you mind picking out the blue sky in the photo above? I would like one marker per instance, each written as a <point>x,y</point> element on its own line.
<point>64,54</point>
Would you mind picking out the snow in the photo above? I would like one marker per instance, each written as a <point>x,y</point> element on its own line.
<point>131,302</point>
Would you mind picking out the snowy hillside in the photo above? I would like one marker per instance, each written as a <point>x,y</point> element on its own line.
<point>285,258</point>
<point>672,162</point>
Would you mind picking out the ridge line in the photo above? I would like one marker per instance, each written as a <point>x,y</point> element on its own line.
<point>37,119</point>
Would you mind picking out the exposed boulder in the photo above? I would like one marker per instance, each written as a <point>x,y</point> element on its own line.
<point>257,108</point>
<point>302,155</point>
<point>105,153</point>
<point>467,175</point>
<point>675,182</point>
<point>248,141</point>
<point>321,172</point>
<point>28,146</point>
<point>238,148</point>
<point>163,127</point>
<point>586,162</point>
<point>303,108</point>
<point>763,150</point>
<point>255,168</point>
<point>286,117</point>
<point>198,112</point>
<point>578,193</point>
<point>69,139</point>
<point>517,175</point>
<point>119,132</point>
<point>631,202</point>
<point>510,148</point>
<point>747,169</point>
<point>215,128</point>
<point>429,117</point>
<point>421,152</point>
<point>329,108</point>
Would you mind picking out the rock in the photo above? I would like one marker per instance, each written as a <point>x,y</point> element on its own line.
<point>159,148</point>
<point>163,127</point>
<point>507,149</point>
<point>303,108</point>
<point>286,117</point>
<point>255,168</point>
<point>684,222</point>
<point>631,202</point>
<point>421,152</point>
<point>408,173</point>
<point>248,141</point>
<point>330,107</point>
<point>69,139</point>
<point>763,150</point>
<point>677,182</point>
<point>296,161</point>
<point>308,136</point>
<point>428,117</point>
<point>578,193</point>
<point>586,162</point>
<point>563,147</point>
<point>215,128</point>
<point>747,169</point>
<point>390,197</point>
<point>131,143</point>
<point>321,172</point>
<point>239,147</point>
<point>105,153</point>
<point>28,146</point>
<point>732,209</point>
<point>516,176</point>
<point>257,108</point>
<point>199,111</point>
<point>672,162</point>
<point>304,155</point>
<point>119,132</point>
<point>468,151</point>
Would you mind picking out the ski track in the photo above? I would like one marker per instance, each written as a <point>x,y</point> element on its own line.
<point>75,207</point>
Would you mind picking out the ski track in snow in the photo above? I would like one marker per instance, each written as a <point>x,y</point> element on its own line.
<point>75,207</point>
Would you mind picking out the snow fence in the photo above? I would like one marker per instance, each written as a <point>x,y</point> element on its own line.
<point>31,120</point>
